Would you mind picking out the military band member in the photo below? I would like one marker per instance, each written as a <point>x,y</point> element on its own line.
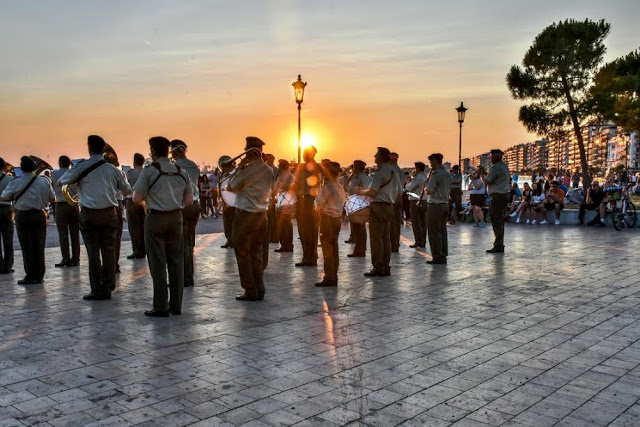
<point>30,195</point>
<point>67,219</point>
<point>306,185</point>
<point>438,189</point>
<point>283,220</point>
<point>166,189</point>
<point>120,224</point>
<point>329,204</point>
<point>228,211</point>
<point>272,232</point>
<point>251,184</point>
<point>98,182</point>
<point>383,192</point>
<point>135,211</point>
<point>456,190</point>
<point>498,185</point>
<point>418,206</point>
<point>358,180</point>
<point>191,211</point>
<point>6,223</point>
<point>396,223</point>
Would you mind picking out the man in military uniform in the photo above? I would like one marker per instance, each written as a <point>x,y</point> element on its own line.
<point>166,188</point>
<point>98,183</point>
<point>497,183</point>
<point>358,180</point>
<point>272,232</point>
<point>6,223</point>
<point>418,206</point>
<point>383,192</point>
<point>307,186</point>
<point>191,211</point>
<point>396,223</point>
<point>283,220</point>
<point>135,212</point>
<point>228,211</point>
<point>438,189</point>
<point>251,183</point>
<point>456,190</point>
<point>30,195</point>
<point>67,219</point>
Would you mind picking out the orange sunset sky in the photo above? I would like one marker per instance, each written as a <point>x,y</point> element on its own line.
<point>213,72</point>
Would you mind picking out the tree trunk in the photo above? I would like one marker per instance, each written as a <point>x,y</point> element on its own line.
<point>576,128</point>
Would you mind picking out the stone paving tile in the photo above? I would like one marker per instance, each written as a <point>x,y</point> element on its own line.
<point>479,342</point>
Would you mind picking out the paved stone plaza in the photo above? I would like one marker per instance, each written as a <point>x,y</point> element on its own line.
<point>545,335</point>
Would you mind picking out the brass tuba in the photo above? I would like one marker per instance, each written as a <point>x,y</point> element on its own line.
<point>41,165</point>
<point>70,191</point>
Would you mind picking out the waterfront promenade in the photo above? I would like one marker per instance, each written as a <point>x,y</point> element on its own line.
<point>545,335</point>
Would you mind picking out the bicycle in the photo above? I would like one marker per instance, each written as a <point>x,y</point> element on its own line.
<point>623,211</point>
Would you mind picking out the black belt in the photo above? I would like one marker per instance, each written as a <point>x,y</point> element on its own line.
<point>155,211</point>
<point>247,212</point>
<point>30,210</point>
<point>97,210</point>
<point>383,203</point>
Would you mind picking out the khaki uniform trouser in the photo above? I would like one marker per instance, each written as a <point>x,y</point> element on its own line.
<point>437,230</point>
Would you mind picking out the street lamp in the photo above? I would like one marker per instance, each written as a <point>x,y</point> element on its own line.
<point>461,112</point>
<point>298,89</point>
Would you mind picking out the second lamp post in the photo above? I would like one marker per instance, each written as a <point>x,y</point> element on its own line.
<point>461,112</point>
<point>298,89</point>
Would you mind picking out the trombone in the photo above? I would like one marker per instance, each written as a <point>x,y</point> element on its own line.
<point>475,173</point>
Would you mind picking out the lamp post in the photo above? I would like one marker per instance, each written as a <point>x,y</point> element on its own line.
<point>298,89</point>
<point>461,112</point>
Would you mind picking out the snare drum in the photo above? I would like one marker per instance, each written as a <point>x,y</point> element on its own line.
<point>286,202</point>
<point>358,208</point>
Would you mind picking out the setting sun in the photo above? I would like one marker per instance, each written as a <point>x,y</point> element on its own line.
<point>307,139</point>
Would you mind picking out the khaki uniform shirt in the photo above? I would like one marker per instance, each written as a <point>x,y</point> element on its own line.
<point>3,184</point>
<point>385,182</point>
<point>98,189</point>
<point>456,177</point>
<point>398,170</point>
<point>36,197</point>
<point>57,189</point>
<point>331,199</point>
<point>498,179</point>
<point>308,179</point>
<point>132,177</point>
<point>361,180</point>
<point>252,185</point>
<point>416,185</point>
<point>440,184</point>
<point>193,171</point>
<point>167,194</point>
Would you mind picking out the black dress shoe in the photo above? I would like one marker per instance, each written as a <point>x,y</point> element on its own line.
<point>94,297</point>
<point>495,251</point>
<point>326,284</point>
<point>226,245</point>
<point>247,297</point>
<point>438,261</point>
<point>62,263</point>
<point>414,246</point>
<point>175,312</point>
<point>29,282</point>
<point>132,256</point>
<point>261,295</point>
<point>387,272</point>
<point>306,264</point>
<point>155,313</point>
<point>349,241</point>
<point>374,273</point>
<point>73,264</point>
<point>356,255</point>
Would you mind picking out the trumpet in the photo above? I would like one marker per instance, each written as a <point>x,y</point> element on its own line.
<point>70,191</point>
<point>475,174</point>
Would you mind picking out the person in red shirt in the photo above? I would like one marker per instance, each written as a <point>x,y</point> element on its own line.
<point>554,201</point>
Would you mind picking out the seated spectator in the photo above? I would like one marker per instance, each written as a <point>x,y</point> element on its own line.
<point>537,203</point>
<point>525,203</point>
<point>515,196</point>
<point>593,201</point>
<point>562,186</point>
<point>554,201</point>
